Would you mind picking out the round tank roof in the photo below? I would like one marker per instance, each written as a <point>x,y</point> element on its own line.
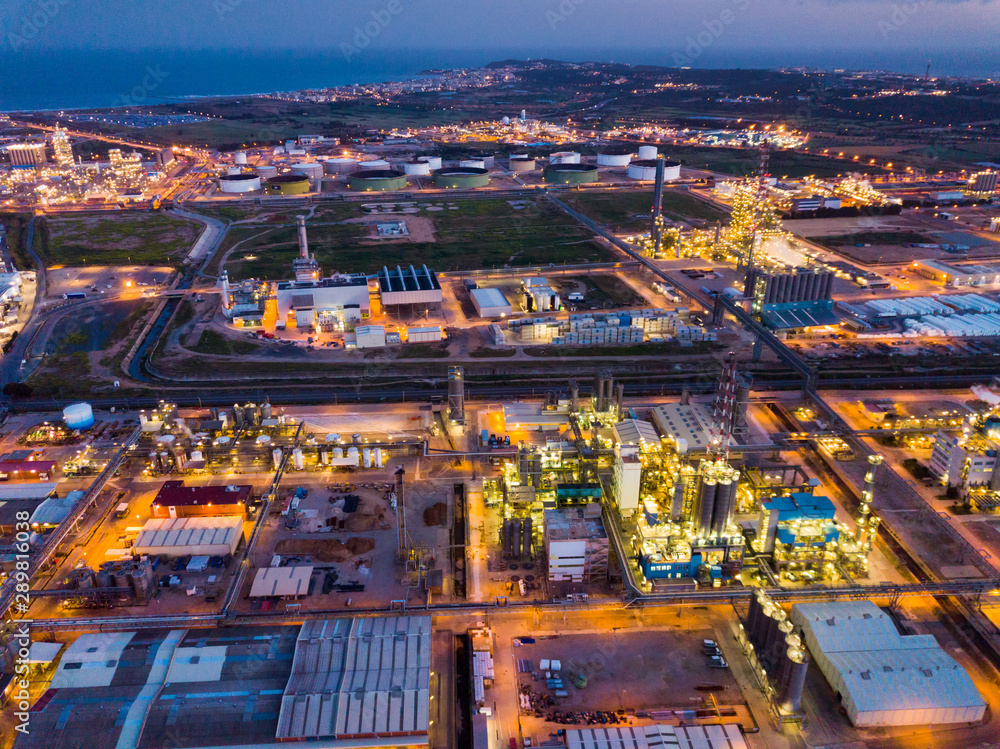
<point>237,177</point>
<point>652,163</point>
<point>289,178</point>
<point>561,167</point>
<point>377,174</point>
<point>454,170</point>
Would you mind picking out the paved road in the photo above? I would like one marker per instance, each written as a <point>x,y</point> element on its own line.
<point>10,364</point>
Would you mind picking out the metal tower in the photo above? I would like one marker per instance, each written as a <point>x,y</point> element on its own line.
<point>456,395</point>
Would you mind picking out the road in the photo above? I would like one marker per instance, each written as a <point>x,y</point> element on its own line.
<point>10,363</point>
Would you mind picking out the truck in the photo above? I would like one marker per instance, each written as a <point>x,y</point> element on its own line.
<point>121,510</point>
<point>74,295</point>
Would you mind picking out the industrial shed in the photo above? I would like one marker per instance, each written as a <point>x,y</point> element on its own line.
<point>358,679</point>
<point>885,678</point>
<point>195,536</point>
<point>409,286</point>
<point>281,582</point>
<point>657,736</point>
<point>490,302</point>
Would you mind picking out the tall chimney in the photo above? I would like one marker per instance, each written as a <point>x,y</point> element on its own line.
<point>303,242</point>
<point>655,221</point>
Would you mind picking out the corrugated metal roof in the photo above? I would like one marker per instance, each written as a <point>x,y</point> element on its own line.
<point>26,491</point>
<point>281,581</point>
<point>195,531</point>
<point>352,677</point>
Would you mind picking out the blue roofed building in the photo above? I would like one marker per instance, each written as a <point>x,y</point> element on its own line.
<point>800,532</point>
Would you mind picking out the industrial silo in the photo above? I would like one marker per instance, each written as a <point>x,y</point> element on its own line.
<point>298,459</point>
<point>366,457</point>
<point>791,686</point>
<point>374,164</point>
<point>434,162</point>
<point>472,164</point>
<point>564,157</point>
<point>526,537</point>
<point>417,169</point>
<point>519,166</point>
<point>340,165</point>
<point>276,456</point>
<point>706,499</point>
<point>310,169</point>
<point>78,416</point>
<point>648,153</point>
<point>725,500</point>
<point>266,172</point>
<point>378,457</point>
<point>240,157</point>
<point>614,157</point>
<point>570,173</point>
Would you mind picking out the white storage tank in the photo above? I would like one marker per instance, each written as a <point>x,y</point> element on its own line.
<point>434,162</point>
<point>417,169</point>
<point>338,453</point>
<point>378,457</point>
<point>240,157</point>
<point>197,455</point>
<point>520,164</point>
<point>276,456</point>
<point>472,164</point>
<point>263,440</point>
<point>374,164</point>
<point>366,455</point>
<point>613,158</point>
<point>564,157</point>
<point>340,165</point>
<point>239,183</point>
<point>266,172</point>
<point>647,152</point>
<point>298,459</point>
<point>352,453</point>
<point>646,170</point>
<point>311,169</point>
<point>488,159</point>
<point>231,170</point>
<point>78,416</point>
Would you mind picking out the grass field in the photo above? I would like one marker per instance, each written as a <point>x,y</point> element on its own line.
<point>628,210</point>
<point>484,233</point>
<point>214,343</point>
<point>742,162</point>
<point>115,239</point>
<point>870,237</point>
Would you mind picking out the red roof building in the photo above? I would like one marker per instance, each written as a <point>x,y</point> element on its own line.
<point>174,500</point>
<point>26,470</point>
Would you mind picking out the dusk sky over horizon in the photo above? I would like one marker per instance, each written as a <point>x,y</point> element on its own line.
<point>539,27</point>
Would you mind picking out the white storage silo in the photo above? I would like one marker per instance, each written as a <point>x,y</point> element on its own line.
<point>378,458</point>
<point>231,170</point>
<point>520,165</point>
<point>374,164</point>
<point>197,455</point>
<point>613,158</point>
<point>472,164</point>
<point>310,169</point>
<point>434,162</point>
<point>276,456</point>
<point>366,456</point>
<point>647,152</point>
<point>297,458</point>
<point>352,453</point>
<point>240,157</point>
<point>417,168</point>
<point>78,416</point>
<point>266,172</point>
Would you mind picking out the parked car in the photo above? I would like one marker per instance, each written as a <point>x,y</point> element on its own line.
<point>717,661</point>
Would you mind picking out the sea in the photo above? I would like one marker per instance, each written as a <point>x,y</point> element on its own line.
<point>41,79</point>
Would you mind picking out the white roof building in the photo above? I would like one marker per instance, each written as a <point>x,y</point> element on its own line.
<point>726,736</point>
<point>358,679</point>
<point>370,336</point>
<point>212,536</point>
<point>689,426</point>
<point>490,302</point>
<point>885,678</point>
<point>283,582</point>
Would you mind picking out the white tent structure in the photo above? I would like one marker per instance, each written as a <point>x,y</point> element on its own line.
<point>885,678</point>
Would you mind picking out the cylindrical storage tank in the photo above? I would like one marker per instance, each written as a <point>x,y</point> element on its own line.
<point>374,164</point>
<point>352,453</point>
<point>311,169</point>
<point>287,184</point>
<point>417,169</point>
<point>276,456</point>
<point>725,502</point>
<point>366,457</point>
<point>564,157</point>
<point>238,183</point>
<point>223,441</point>
<point>266,172</point>
<point>338,453</point>
<point>230,170</point>
<point>488,159</point>
<point>266,410</point>
<point>515,537</point>
<point>526,537</point>
<point>790,690</point>
<point>324,456</point>
<point>379,462</point>
<point>570,173</point>
<point>376,180</point>
<point>340,165</point>
<point>434,162</point>
<point>648,153</point>
<point>240,157</point>
<point>298,460</point>
<point>645,169</point>
<point>472,164</point>
<point>519,166</point>
<point>754,616</point>
<point>461,177</point>
<point>613,157</point>
<point>102,580</point>
<point>197,455</point>
<point>505,536</point>
<point>78,416</point>
<point>706,502</point>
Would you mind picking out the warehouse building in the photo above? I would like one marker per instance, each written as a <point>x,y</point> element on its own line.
<point>957,275</point>
<point>689,426</point>
<point>281,582</point>
<point>412,286</point>
<point>362,681</point>
<point>174,500</point>
<point>657,736</point>
<point>576,544</point>
<point>200,536</point>
<point>328,304</point>
<point>490,303</point>
<point>885,678</point>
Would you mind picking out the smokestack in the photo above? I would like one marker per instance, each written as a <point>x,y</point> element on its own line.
<point>685,395</point>
<point>619,398</point>
<point>655,220</point>
<point>303,242</point>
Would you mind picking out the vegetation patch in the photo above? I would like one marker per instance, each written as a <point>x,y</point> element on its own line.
<point>125,238</point>
<point>212,342</point>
